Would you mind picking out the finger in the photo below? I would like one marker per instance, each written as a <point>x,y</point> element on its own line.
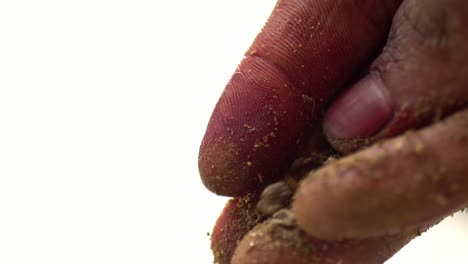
<point>279,240</point>
<point>420,77</point>
<point>238,217</point>
<point>307,50</point>
<point>241,214</point>
<point>412,180</point>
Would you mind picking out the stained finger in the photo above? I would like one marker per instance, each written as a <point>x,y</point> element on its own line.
<point>420,77</point>
<point>306,52</point>
<point>239,216</point>
<point>279,240</point>
<point>393,186</point>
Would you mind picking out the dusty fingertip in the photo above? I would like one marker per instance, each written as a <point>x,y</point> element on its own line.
<point>219,165</point>
<point>279,240</point>
<point>365,195</point>
<point>238,217</point>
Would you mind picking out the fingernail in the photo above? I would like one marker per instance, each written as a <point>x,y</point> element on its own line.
<point>360,112</point>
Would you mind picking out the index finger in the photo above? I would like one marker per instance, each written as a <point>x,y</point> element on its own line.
<point>307,51</point>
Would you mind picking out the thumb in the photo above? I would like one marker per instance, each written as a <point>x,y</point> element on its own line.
<point>420,76</point>
<point>403,183</point>
<point>307,51</point>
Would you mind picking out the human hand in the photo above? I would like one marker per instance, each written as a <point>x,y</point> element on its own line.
<point>306,53</point>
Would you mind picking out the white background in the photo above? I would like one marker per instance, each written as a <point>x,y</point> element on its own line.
<point>103,105</point>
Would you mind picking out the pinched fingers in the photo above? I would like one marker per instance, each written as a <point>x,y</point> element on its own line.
<point>241,235</point>
<point>415,179</point>
<point>393,186</point>
<point>279,240</point>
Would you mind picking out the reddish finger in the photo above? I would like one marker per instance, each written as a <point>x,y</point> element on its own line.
<point>239,216</point>
<point>420,77</point>
<point>279,241</point>
<point>306,52</point>
<point>397,185</point>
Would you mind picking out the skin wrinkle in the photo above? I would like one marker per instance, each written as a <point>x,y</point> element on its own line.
<point>407,22</point>
<point>285,34</point>
<point>293,88</point>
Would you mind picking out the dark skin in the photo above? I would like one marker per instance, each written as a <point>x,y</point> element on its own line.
<point>364,72</point>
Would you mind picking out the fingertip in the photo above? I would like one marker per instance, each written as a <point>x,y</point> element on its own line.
<point>279,240</point>
<point>238,217</point>
<point>220,165</point>
<point>397,185</point>
<point>255,129</point>
<point>318,203</point>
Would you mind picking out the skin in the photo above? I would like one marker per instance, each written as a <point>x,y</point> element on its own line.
<point>323,56</point>
<point>423,177</point>
<point>279,240</point>
<point>238,217</point>
<point>241,214</point>
<point>333,202</point>
<point>295,65</point>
